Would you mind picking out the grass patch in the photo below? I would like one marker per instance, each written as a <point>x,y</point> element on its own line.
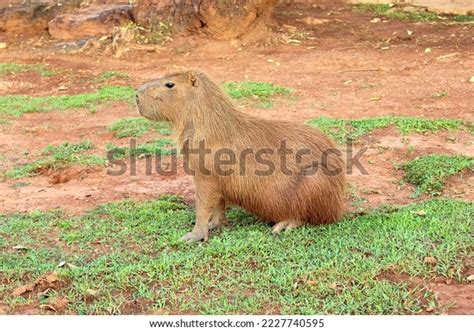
<point>162,146</point>
<point>394,13</point>
<point>429,172</point>
<point>108,75</point>
<point>15,68</point>
<point>343,130</point>
<point>137,127</point>
<point>58,157</point>
<point>463,18</point>
<point>128,252</point>
<point>259,91</point>
<point>16,105</point>
<point>441,94</point>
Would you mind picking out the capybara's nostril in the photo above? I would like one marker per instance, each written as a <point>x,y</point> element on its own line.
<point>137,98</point>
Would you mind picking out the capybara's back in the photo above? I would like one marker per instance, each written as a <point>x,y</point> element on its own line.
<point>283,172</point>
<point>310,190</point>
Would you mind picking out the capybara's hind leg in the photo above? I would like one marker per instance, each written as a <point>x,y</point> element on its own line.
<point>218,217</point>
<point>286,225</point>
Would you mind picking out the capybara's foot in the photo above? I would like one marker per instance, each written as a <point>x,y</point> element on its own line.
<point>195,236</point>
<point>286,225</point>
<point>218,223</point>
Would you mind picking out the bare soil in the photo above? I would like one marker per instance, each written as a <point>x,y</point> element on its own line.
<point>344,68</point>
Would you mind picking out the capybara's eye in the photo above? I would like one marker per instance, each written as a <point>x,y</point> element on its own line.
<point>169,85</point>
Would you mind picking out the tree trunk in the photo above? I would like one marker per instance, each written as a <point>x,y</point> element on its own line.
<point>216,18</point>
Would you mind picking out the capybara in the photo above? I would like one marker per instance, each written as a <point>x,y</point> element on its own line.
<point>283,172</point>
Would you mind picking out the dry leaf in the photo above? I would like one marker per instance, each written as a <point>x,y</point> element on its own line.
<point>430,260</point>
<point>47,307</point>
<point>419,213</point>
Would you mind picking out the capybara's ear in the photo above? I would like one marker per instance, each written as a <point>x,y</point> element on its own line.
<point>193,79</point>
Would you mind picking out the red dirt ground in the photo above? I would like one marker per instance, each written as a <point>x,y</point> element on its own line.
<point>338,70</point>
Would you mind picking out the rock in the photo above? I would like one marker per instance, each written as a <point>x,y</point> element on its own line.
<point>3,45</point>
<point>375,20</point>
<point>27,19</point>
<point>471,80</point>
<point>90,22</point>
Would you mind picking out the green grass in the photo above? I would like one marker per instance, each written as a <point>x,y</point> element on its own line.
<point>128,254</point>
<point>259,91</point>
<point>58,157</point>
<point>463,18</point>
<point>108,75</point>
<point>429,172</point>
<point>397,14</point>
<point>15,68</point>
<point>441,94</point>
<point>342,130</point>
<point>137,127</point>
<point>16,105</point>
<point>162,146</point>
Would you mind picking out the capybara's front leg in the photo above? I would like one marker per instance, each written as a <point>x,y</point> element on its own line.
<point>206,203</point>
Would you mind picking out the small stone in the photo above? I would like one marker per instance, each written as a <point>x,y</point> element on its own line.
<point>471,80</point>
<point>428,50</point>
<point>3,45</point>
<point>470,278</point>
<point>375,20</point>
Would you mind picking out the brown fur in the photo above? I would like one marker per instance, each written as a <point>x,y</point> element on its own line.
<point>199,110</point>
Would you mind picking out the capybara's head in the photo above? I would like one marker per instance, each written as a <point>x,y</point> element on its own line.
<point>170,96</point>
